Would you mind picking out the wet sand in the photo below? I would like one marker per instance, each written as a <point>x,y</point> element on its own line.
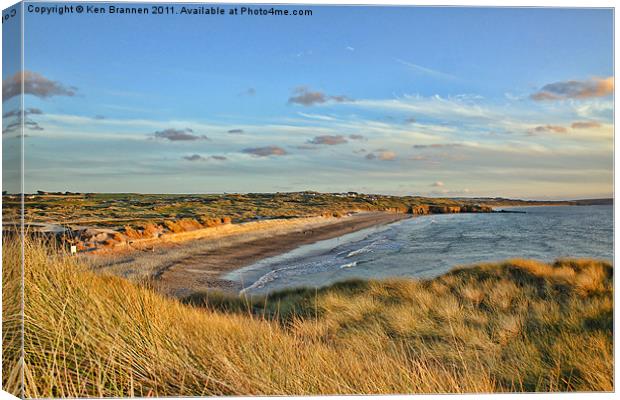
<point>202,270</point>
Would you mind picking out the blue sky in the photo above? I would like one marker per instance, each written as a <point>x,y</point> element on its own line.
<point>430,101</point>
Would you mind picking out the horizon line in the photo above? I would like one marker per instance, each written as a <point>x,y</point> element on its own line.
<point>51,192</point>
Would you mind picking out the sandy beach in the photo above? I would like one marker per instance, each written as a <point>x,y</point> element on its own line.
<point>185,265</point>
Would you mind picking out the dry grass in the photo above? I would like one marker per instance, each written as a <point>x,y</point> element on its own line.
<point>12,318</point>
<point>515,326</point>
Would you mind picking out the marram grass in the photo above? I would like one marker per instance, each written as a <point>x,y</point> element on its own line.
<point>519,325</point>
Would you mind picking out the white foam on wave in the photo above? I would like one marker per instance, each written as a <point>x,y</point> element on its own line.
<point>294,269</point>
<point>287,272</point>
<point>265,279</point>
<point>365,249</point>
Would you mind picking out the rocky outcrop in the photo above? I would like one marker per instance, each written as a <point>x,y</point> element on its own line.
<point>476,208</point>
<point>443,209</point>
<point>91,238</point>
<point>419,210</point>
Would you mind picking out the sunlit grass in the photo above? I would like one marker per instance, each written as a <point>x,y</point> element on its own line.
<point>519,325</point>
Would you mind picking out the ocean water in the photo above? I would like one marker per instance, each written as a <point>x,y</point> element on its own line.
<point>427,246</point>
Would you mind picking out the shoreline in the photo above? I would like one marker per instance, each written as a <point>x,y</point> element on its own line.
<point>182,267</point>
<point>184,263</point>
<point>205,271</point>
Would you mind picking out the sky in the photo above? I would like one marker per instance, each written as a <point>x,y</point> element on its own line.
<point>395,100</point>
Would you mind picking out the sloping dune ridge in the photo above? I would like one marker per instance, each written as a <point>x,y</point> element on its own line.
<point>519,325</point>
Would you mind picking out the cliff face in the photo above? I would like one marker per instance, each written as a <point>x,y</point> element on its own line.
<point>419,210</point>
<point>440,209</point>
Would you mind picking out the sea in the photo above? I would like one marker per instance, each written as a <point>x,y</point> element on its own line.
<point>427,246</point>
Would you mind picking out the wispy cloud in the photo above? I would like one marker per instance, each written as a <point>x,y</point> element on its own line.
<point>328,140</point>
<point>34,84</point>
<point>16,121</point>
<point>548,128</point>
<point>18,113</point>
<point>594,109</point>
<point>195,157</point>
<point>458,117</point>
<point>424,70</point>
<point>575,89</point>
<point>382,155</point>
<point>585,125</point>
<point>306,147</point>
<point>265,151</point>
<point>317,116</point>
<point>306,97</point>
<point>28,124</point>
<point>198,157</point>
<point>176,135</point>
<point>437,145</point>
<point>445,108</point>
<point>236,131</point>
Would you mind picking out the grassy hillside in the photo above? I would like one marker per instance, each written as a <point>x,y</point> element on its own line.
<point>107,210</point>
<point>514,326</point>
